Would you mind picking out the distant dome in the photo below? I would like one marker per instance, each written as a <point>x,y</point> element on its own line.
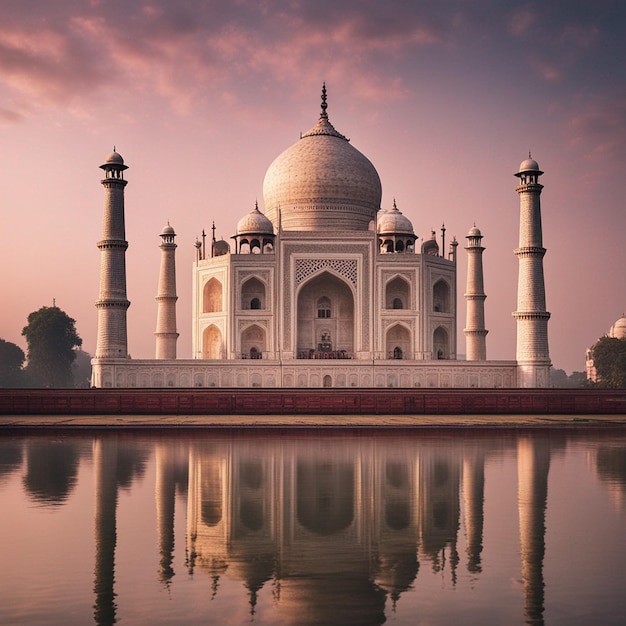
<point>255,223</point>
<point>618,330</point>
<point>474,232</point>
<point>322,183</point>
<point>220,248</point>
<point>431,246</point>
<point>168,230</point>
<point>392,222</point>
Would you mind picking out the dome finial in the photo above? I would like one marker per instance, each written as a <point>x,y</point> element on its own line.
<point>324,105</point>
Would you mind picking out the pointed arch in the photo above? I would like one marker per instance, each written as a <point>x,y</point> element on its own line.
<point>253,342</point>
<point>253,294</point>
<point>397,293</point>
<point>212,342</point>
<point>441,343</point>
<point>441,297</point>
<point>398,342</point>
<point>328,292</point>
<point>212,296</point>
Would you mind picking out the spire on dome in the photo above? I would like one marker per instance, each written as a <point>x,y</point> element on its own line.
<point>323,126</point>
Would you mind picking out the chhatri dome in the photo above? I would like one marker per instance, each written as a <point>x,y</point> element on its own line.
<point>322,183</point>
<point>254,223</point>
<point>392,222</point>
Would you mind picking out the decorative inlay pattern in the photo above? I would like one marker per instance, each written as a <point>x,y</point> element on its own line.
<point>344,267</point>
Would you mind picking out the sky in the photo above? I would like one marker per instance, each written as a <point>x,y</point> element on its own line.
<point>446,98</point>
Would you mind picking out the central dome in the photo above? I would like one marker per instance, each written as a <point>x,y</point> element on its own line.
<point>322,183</point>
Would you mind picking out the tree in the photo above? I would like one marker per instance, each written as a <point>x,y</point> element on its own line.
<point>11,361</point>
<point>81,369</point>
<point>609,359</point>
<point>51,337</point>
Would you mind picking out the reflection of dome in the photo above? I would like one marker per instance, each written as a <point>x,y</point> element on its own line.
<point>392,222</point>
<point>344,597</point>
<point>322,183</point>
<point>618,330</point>
<point>254,223</point>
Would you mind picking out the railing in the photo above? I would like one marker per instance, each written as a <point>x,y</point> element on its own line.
<point>325,354</point>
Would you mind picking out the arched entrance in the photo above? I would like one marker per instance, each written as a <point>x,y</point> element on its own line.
<point>325,322</point>
<point>441,344</point>
<point>398,342</point>
<point>253,342</point>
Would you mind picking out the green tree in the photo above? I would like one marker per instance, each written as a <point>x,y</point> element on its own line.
<point>609,359</point>
<point>81,369</point>
<point>51,337</point>
<point>11,362</point>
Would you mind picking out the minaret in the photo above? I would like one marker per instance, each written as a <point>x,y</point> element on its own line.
<point>112,303</point>
<point>166,335</point>
<point>533,359</point>
<point>475,332</point>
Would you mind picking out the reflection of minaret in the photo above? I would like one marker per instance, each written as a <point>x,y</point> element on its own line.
<point>165,496</point>
<point>394,534</point>
<point>166,334</point>
<point>439,507</point>
<point>105,467</point>
<point>533,463</point>
<point>473,497</point>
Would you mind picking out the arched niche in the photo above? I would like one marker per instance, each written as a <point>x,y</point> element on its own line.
<point>253,294</point>
<point>441,344</point>
<point>337,298</point>
<point>441,297</point>
<point>212,343</point>
<point>212,297</point>
<point>397,294</point>
<point>253,342</point>
<point>398,342</point>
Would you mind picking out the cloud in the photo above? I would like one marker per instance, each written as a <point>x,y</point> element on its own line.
<point>598,130</point>
<point>6,115</point>
<point>177,51</point>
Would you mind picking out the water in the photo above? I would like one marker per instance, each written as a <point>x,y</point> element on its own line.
<point>420,527</point>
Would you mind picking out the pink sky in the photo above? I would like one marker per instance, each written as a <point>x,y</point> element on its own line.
<point>446,99</point>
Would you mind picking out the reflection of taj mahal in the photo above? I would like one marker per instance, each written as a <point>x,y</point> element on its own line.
<point>324,289</point>
<point>340,531</point>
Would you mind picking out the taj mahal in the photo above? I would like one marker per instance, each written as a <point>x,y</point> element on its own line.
<point>323,288</point>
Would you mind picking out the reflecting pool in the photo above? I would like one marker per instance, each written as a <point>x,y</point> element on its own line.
<point>364,528</point>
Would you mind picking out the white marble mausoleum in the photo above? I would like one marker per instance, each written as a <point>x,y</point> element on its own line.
<point>323,289</point>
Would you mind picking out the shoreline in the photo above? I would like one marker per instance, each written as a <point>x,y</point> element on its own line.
<point>305,422</point>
